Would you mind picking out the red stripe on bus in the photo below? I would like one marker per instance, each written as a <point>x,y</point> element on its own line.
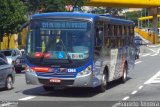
<point>40,69</point>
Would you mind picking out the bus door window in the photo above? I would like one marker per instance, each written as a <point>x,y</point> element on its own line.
<point>118,42</point>
<point>113,43</point>
<point>106,30</point>
<point>107,42</point>
<point>115,30</point>
<point>106,36</point>
<point>123,31</point>
<point>99,38</point>
<point>112,30</point>
<point>120,30</point>
<point>31,44</point>
<point>131,35</point>
<point>127,30</point>
<point>99,35</point>
<point>123,42</point>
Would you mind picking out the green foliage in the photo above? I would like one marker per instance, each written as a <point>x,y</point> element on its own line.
<point>51,5</point>
<point>159,24</point>
<point>133,16</point>
<point>12,15</point>
<point>76,2</point>
<point>108,10</point>
<point>113,11</point>
<point>55,6</point>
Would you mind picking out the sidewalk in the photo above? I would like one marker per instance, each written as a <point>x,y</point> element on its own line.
<point>148,43</point>
<point>153,45</point>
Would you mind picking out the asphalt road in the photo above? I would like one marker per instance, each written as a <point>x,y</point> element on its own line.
<point>142,85</point>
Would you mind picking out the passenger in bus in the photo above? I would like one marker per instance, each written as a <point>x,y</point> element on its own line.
<point>56,42</point>
<point>59,42</point>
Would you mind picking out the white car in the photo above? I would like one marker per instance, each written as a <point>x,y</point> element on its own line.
<point>11,54</point>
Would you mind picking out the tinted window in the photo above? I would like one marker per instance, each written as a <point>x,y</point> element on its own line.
<point>3,57</point>
<point>6,53</point>
<point>60,38</point>
<point>2,62</point>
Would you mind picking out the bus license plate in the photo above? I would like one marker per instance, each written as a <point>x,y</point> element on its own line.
<point>54,80</point>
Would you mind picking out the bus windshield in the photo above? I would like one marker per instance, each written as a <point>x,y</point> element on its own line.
<point>59,39</point>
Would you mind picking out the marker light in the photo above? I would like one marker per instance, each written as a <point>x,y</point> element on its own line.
<point>38,54</point>
<point>41,69</point>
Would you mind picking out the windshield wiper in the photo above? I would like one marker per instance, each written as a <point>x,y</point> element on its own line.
<point>66,51</point>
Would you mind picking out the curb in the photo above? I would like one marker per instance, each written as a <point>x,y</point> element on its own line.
<point>153,46</point>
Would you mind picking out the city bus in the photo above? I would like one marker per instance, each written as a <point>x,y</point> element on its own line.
<point>72,49</point>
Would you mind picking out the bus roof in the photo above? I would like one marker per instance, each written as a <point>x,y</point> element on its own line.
<point>81,15</point>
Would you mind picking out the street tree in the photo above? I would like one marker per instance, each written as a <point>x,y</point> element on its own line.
<point>12,16</point>
<point>51,5</point>
<point>108,10</point>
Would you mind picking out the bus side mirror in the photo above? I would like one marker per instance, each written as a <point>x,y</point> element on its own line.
<point>23,26</point>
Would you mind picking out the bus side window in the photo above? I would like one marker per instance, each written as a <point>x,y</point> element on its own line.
<point>99,38</point>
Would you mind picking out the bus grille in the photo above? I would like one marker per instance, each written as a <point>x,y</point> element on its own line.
<point>63,82</point>
<point>56,74</point>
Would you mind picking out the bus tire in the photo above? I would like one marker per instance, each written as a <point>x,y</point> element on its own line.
<point>103,86</point>
<point>124,76</point>
<point>48,88</point>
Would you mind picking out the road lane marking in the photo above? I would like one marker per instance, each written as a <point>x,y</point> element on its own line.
<point>134,92</point>
<point>27,98</point>
<point>155,81</point>
<point>116,105</point>
<point>145,55</point>
<point>125,98</point>
<point>154,51</point>
<point>138,62</point>
<point>9,104</point>
<point>154,55</point>
<point>152,78</point>
<point>140,87</point>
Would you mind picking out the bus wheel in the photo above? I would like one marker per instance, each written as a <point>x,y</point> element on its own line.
<point>124,77</point>
<point>103,86</point>
<point>48,88</point>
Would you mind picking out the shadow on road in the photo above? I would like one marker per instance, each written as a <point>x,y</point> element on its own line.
<point>69,92</point>
<point>116,83</point>
<point>62,92</point>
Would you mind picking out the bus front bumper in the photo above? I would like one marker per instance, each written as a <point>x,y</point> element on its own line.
<point>79,81</point>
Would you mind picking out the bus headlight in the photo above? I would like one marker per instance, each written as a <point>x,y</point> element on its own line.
<point>85,72</point>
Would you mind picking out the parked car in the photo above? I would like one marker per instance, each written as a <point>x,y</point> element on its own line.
<point>19,64</point>
<point>7,75</point>
<point>11,54</point>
